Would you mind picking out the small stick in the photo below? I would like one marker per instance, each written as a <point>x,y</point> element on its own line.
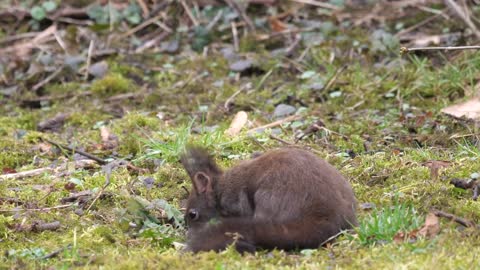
<point>413,27</point>
<point>280,140</point>
<point>404,50</point>
<point>110,13</point>
<point>89,59</point>
<point>47,79</point>
<point>318,4</point>
<point>232,97</point>
<point>19,36</point>
<point>25,174</point>
<point>242,13</point>
<point>85,154</point>
<point>335,236</point>
<point>236,46</point>
<point>276,123</point>
<point>60,41</point>
<point>56,252</point>
<point>334,78</point>
<point>189,13</point>
<point>463,15</point>
<point>459,220</point>
<point>143,25</point>
<point>144,8</point>
<point>38,209</point>
<point>35,172</point>
<point>215,20</point>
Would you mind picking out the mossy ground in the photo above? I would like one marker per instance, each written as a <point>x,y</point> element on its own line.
<point>382,122</point>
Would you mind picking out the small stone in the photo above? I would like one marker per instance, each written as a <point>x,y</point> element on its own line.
<point>99,69</point>
<point>283,110</point>
<point>148,182</point>
<point>229,53</point>
<point>367,206</point>
<point>170,46</point>
<point>241,65</point>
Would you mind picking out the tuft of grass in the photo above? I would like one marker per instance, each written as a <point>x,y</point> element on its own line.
<point>112,84</point>
<point>382,225</point>
<point>171,147</point>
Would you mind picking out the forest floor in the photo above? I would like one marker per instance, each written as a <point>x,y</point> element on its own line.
<point>332,75</point>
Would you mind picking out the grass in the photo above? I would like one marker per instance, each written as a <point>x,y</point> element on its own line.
<point>383,224</point>
<point>389,117</point>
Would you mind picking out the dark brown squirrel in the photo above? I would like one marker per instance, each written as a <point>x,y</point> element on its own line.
<point>286,199</point>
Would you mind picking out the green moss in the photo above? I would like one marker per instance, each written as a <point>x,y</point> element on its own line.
<point>112,84</point>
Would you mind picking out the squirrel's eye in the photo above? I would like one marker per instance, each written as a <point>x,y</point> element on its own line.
<point>193,214</point>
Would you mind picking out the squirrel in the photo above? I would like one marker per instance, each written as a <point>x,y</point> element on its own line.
<point>286,198</point>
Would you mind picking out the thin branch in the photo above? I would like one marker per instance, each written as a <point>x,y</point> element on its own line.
<point>47,79</point>
<point>189,13</point>
<point>318,4</point>
<point>463,15</point>
<point>236,45</point>
<point>334,78</point>
<point>404,50</point>
<point>232,97</point>
<point>276,123</point>
<point>459,220</point>
<point>38,209</point>
<point>89,58</point>
<point>85,154</point>
<point>242,13</point>
<point>143,25</point>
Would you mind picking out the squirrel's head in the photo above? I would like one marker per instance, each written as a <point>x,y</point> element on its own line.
<point>204,174</point>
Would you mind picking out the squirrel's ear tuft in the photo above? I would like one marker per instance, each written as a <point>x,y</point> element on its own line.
<point>197,159</point>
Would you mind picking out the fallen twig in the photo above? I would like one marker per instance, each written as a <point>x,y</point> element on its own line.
<point>89,58</point>
<point>463,14</point>
<point>276,123</point>
<point>404,50</point>
<point>21,175</point>
<point>85,154</point>
<point>143,25</point>
<point>230,99</point>
<point>37,209</point>
<point>47,79</point>
<point>334,78</point>
<point>108,172</point>
<point>189,13</point>
<point>280,140</point>
<point>56,252</point>
<point>35,172</point>
<point>38,226</point>
<point>459,220</point>
<point>318,4</point>
<point>75,196</point>
<point>245,18</point>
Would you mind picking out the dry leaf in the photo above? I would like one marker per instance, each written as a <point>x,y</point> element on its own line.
<point>277,25</point>
<point>237,124</point>
<point>402,236</point>
<point>431,227</point>
<point>469,109</point>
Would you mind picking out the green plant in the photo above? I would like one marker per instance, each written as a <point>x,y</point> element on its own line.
<point>171,147</point>
<point>39,12</point>
<point>383,224</point>
<point>108,13</point>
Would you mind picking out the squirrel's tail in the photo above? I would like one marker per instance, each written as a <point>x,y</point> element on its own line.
<point>248,234</point>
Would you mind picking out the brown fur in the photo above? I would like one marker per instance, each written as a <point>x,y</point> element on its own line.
<point>286,198</point>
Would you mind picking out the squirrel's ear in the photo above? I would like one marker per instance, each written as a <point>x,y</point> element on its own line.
<point>202,182</point>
